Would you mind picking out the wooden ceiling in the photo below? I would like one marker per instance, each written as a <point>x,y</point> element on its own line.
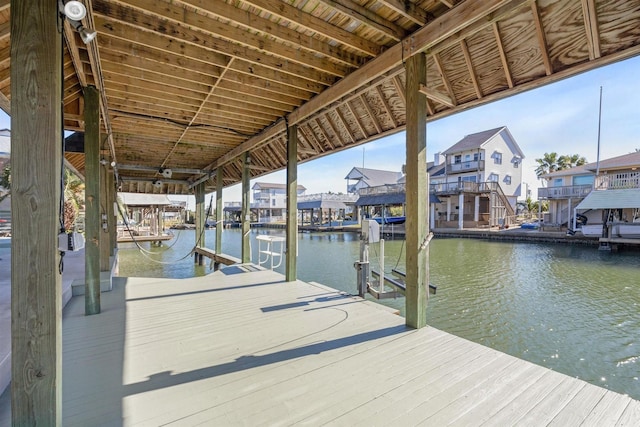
<point>190,85</point>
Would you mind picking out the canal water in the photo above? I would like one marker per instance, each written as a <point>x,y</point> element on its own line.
<point>573,309</point>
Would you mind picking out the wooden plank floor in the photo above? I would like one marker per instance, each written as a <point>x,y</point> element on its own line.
<point>242,347</point>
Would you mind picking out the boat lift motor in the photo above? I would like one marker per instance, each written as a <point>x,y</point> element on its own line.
<point>370,233</point>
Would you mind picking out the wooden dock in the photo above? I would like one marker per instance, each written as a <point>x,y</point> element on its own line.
<point>243,347</point>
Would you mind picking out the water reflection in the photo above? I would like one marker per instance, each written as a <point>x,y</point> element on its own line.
<point>570,308</point>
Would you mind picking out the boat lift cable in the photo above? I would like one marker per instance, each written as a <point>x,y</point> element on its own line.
<point>146,252</point>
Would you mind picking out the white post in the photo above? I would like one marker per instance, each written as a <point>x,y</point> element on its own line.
<point>476,210</point>
<point>460,211</point>
<point>448,208</point>
<point>432,216</point>
<point>381,288</point>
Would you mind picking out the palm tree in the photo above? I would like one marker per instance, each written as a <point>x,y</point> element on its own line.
<point>73,199</point>
<point>547,164</point>
<point>5,182</point>
<point>570,161</point>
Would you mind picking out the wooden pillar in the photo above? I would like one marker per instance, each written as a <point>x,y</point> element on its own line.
<point>112,212</point>
<point>292,204</point>
<point>245,219</point>
<point>36,166</point>
<point>219,211</point>
<point>200,215</point>
<point>93,221</point>
<point>105,239</point>
<point>417,193</point>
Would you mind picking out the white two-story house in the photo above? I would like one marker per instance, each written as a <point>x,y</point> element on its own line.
<point>270,201</point>
<point>480,181</point>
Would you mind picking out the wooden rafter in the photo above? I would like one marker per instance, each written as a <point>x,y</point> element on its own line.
<point>324,133</point>
<point>371,114</point>
<point>407,9</point>
<point>290,13</point>
<point>542,39</point>
<point>445,79</point>
<point>335,131</point>
<point>472,72</point>
<point>503,55</point>
<point>386,105</point>
<point>345,125</point>
<point>356,118</point>
<point>368,18</point>
<point>437,96</point>
<point>591,27</point>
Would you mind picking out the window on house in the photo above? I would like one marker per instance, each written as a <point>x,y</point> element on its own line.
<point>497,158</point>
<point>469,178</point>
<point>558,182</point>
<point>475,157</point>
<point>494,177</point>
<point>457,159</point>
<point>516,164</point>
<point>507,179</point>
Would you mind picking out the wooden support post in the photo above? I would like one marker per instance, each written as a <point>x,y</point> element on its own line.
<point>219,211</point>
<point>200,215</point>
<point>105,239</point>
<point>245,221</point>
<point>292,203</point>
<point>36,166</point>
<point>93,222</point>
<point>417,191</point>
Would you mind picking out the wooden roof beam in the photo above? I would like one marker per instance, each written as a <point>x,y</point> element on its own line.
<point>345,125</point>
<point>191,26</point>
<point>288,12</point>
<point>445,79</point>
<point>591,26</point>
<point>503,55</point>
<point>437,96</point>
<point>542,39</point>
<point>270,67</point>
<point>448,3</point>
<point>386,106</point>
<point>368,18</point>
<point>252,22</point>
<point>434,32</point>
<point>472,71</point>
<point>407,9</point>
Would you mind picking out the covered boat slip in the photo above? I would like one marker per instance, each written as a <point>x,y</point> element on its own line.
<point>242,346</point>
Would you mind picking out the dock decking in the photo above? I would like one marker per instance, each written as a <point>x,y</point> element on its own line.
<point>243,347</point>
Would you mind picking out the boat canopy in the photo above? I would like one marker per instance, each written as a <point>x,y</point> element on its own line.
<point>611,199</point>
<point>388,199</point>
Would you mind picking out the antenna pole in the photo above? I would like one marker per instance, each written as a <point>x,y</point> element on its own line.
<point>599,121</point>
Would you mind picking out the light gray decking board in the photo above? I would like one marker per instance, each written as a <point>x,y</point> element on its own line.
<point>324,402</point>
<point>506,389</point>
<point>527,400</point>
<point>608,410</point>
<point>631,414</point>
<point>552,404</point>
<point>435,395</point>
<point>204,351</point>
<point>442,408</point>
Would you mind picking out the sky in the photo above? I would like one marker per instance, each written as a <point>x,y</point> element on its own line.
<point>561,117</point>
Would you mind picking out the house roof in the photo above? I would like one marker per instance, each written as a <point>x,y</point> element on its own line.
<point>142,199</point>
<point>577,170</point>
<point>374,177</point>
<point>321,204</point>
<point>479,139</point>
<point>620,162</point>
<point>475,140</point>
<point>611,199</point>
<point>624,161</point>
<point>273,186</point>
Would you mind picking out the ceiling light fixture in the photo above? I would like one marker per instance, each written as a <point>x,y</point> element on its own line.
<point>75,11</point>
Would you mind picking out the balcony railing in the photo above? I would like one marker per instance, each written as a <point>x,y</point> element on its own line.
<point>564,192</point>
<point>616,181</point>
<point>464,186</point>
<point>382,189</point>
<point>465,166</point>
